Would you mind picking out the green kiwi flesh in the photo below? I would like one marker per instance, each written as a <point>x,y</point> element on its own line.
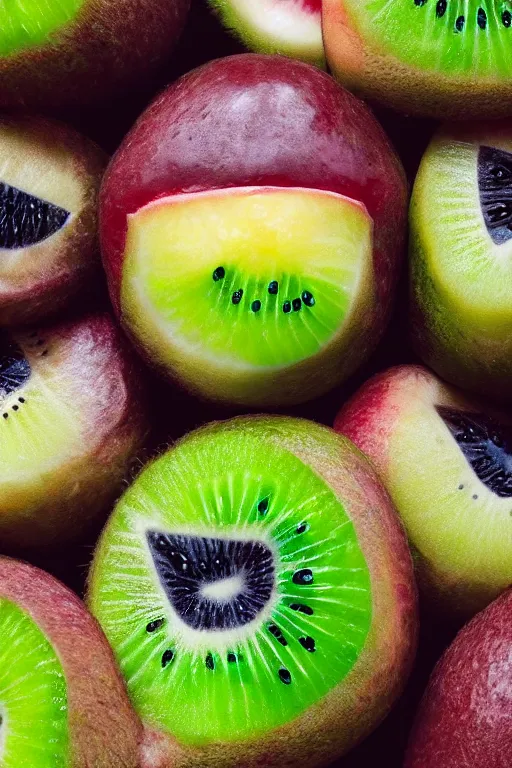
<point>231,585</point>
<point>26,24</point>
<point>33,695</point>
<point>465,38</point>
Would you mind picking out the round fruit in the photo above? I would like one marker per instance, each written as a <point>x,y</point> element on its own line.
<point>77,52</point>
<point>71,422</point>
<point>465,718</point>
<point>62,700</point>
<point>49,183</point>
<point>289,27</point>
<point>447,465</point>
<point>444,58</point>
<point>461,242</point>
<point>251,230</point>
<point>250,616</point>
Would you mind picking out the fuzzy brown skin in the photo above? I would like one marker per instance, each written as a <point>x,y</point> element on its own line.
<point>380,76</point>
<point>351,710</point>
<point>110,45</point>
<point>465,718</point>
<point>104,730</point>
<point>52,161</point>
<point>105,384</point>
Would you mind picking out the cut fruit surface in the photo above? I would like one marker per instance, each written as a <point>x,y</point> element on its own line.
<point>67,433</point>
<point>29,23</point>
<point>232,665</point>
<point>33,695</point>
<point>232,284</point>
<point>445,58</point>
<point>237,602</point>
<point>289,27</point>
<point>452,488</point>
<point>461,251</point>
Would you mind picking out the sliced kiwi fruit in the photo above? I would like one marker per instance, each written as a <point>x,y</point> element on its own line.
<point>289,27</point>
<point>62,455</point>
<point>62,701</point>
<point>252,296</point>
<point>446,461</point>
<point>461,214</point>
<point>26,24</point>
<point>33,695</point>
<point>26,220</point>
<point>239,603</point>
<point>438,57</point>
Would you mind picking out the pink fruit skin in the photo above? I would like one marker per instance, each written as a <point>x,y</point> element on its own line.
<point>255,120</point>
<point>465,718</point>
<point>368,417</point>
<point>104,730</point>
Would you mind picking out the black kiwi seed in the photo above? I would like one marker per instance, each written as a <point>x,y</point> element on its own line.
<point>297,304</point>
<point>237,296</point>
<point>506,18</point>
<point>21,399</point>
<point>303,527</point>
<point>185,563</point>
<point>304,576</point>
<point>308,299</point>
<point>26,220</point>
<point>276,632</point>
<point>167,657</point>
<point>263,506</point>
<point>287,307</point>
<point>154,625</point>
<point>481,18</point>
<point>256,306</point>
<point>461,486</point>
<point>232,658</point>
<point>420,2</point>
<point>486,446</point>
<point>441,8</point>
<point>14,367</point>
<point>5,415</point>
<point>273,287</point>
<point>209,661</point>
<point>459,24</point>
<point>301,608</point>
<point>219,273</point>
<point>285,676</point>
<point>308,643</point>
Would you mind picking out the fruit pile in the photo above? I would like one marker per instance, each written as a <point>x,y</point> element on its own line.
<point>255,384</point>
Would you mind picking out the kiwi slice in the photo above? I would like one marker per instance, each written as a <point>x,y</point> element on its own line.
<point>289,27</point>
<point>249,295</point>
<point>26,220</point>
<point>28,23</point>
<point>33,695</point>
<point>467,38</point>
<point>67,433</point>
<point>235,600</point>
<point>461,214</point>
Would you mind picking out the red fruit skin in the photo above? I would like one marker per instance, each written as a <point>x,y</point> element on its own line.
<point>109,45</point>
<point>255,120</point>
<point>104,730</point>
<point>465,718</point>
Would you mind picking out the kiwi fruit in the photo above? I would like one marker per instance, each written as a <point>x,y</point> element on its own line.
<point>49,183</point>
<point>254,618</point>
<point>461,238</point>
<point>289,27</point>
<point>443,58</point>
<point>62,701</point>
<point>71,422</point>
<point>252,225</point>
<point>446,460</point>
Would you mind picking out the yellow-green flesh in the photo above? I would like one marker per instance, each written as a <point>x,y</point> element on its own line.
<point>213,485</point>
<point>33,695</point>
<point>310,243</point>
<point>27,24</point>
